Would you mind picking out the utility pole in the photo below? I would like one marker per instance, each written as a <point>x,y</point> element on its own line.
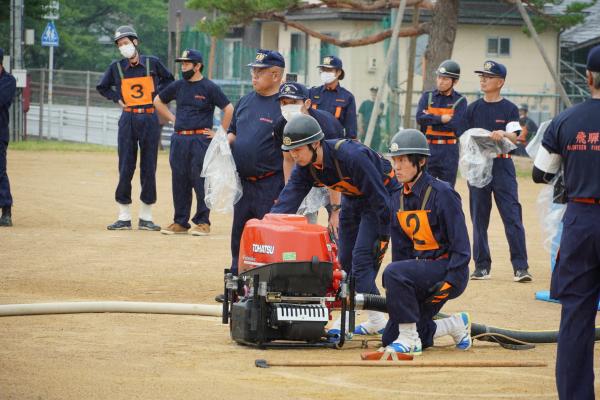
<point>386,70</point>
<point>412,54</point>
<point>394,108</point>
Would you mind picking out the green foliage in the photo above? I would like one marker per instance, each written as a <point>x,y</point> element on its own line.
<point>86,29</point>
<point>236,12</point>
<point>573,15</point>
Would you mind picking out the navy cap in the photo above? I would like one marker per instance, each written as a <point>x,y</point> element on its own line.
<point>190,55</point>
<point>331,62</point>
<point>491,67</point>
<point>293,90</point>
<point>267,58</point>
<point>593,60</point>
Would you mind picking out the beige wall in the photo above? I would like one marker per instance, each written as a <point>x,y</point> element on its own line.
<point>527,72</point>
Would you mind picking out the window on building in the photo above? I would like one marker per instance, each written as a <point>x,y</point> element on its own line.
<point>232,58</point>
<point>328,49</point>
<point>298,53</point>
<point>498,46</point>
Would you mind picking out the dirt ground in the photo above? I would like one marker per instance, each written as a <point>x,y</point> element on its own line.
<point>59,250</point>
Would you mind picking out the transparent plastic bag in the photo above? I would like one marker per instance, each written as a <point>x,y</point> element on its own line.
<point>534,144</point>
<point>315,199</point>
<point>477,153</point>
<point>550,215</point>
<point>222,185</point>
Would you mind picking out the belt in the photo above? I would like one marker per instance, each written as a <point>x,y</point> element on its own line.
<point>258,178</point>
<point>149,110</point>
<point>586,200</point>
<point>442,141</point>
<point>193,132</point>
<point>444,256</point>
<point>503,156</point>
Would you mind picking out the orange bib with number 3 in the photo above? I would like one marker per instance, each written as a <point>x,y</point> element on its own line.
<point>416,226</point>
<point>137,91</point>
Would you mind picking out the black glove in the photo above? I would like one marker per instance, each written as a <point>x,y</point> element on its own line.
<point>439,292</point>
<point>379,248</point>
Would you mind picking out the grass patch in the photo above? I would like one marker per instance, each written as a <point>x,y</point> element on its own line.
<point>54,145</point>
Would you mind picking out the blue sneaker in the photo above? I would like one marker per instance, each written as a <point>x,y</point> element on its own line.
<point>370,328</point>
<point>462,334</point>
<point>413,348</point>
<point>119,226</point>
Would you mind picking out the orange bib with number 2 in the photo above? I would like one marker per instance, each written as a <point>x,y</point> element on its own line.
<point>137,91</point>
<point>416,226</point>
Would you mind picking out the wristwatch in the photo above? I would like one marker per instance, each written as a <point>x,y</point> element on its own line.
<point>336,207</point>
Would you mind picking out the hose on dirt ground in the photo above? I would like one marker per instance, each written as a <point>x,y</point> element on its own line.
<point>480,331</point>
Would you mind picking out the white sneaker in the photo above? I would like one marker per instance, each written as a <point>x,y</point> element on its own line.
<point>371,327</point>
<point>462,332</point>
<point>336,328</point>
<point>408,342</point>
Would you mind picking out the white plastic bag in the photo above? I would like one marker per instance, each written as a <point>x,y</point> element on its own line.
<point>315,199</point>
<point>222,185</point>
<point>550,214</point>
<point>477,153</point>
<point>534,144</point>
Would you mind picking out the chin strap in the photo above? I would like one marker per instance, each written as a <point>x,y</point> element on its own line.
<point>314,156</point>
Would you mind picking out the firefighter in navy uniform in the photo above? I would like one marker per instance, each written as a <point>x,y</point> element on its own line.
<point>258,160</point>
<point>333,98</point>
<point>196,99</point>
<point>294,100</point>
<point>364,180</point>
<point>497,115</point>
<point>573,142</point>
<point>441,115</point>
<point>132,82</point>
<point>430,253</point>
<point>8,87</point>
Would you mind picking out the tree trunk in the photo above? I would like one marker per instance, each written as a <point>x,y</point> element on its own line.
<point>442,33</point>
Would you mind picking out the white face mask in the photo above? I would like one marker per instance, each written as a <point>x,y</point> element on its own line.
<point>127,50</point>
<point>327,77</point>
<point>290,110</point>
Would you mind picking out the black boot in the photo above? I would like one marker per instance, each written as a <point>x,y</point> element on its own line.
<point>6,219</point>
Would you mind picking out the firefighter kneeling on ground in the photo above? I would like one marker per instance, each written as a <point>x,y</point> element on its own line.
<point>430,253</point>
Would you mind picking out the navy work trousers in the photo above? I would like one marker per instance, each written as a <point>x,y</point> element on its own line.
<point>576,283</point>
<point>5,196</point>
<point>443,162</point>
<point>186,158</point>
<point>504,188</point>
<point>143,131</point>
<point>358,232</point>
<point>408,284</point>
<point>257,199</point>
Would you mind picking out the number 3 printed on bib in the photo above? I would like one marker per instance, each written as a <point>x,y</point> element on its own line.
<point>137,91</point>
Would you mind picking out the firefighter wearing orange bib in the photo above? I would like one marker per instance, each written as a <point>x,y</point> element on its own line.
<point>441,115</point>
<point>430,253</point>
<point>365,180</point>
<point>132,83</point>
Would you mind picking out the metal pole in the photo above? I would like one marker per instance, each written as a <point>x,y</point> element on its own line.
<point>50,73</point>
<point>18,64</point>
<point>386,68</point>
<point>394,108</point>
<point>87,104</point>
<point>536,39</point>
<point>42,101</point>
<point>412,52</point>
<point>177,38</point>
